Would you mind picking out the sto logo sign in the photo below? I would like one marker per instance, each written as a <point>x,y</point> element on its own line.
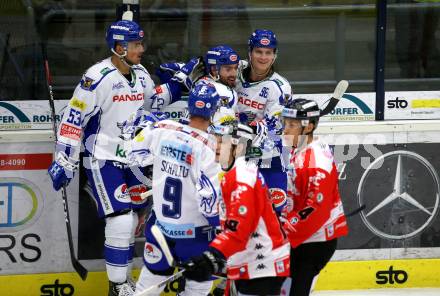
<point>21,204</point>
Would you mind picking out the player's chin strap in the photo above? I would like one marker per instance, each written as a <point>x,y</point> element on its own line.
<point>216,78</point>
<point>122,57</point>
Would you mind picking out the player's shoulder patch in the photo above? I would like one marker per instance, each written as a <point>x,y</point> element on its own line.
<point>95,74</point>
<point>279,82</point>
<point>105,70</point>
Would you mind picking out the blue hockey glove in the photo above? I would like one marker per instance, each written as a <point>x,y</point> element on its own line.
<point>246,117</point>
<point>166,71</point>
<point>201,268</point>
<point>61,171</point>
<point>191,72</point>
<point>274,124</point>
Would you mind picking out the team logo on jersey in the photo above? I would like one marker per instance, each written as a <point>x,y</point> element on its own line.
<point>152,254</point>
<point>330,231</point>
<point>136,194</point>
<point>70,132</point>
<point>126,97</point>
<point>294,220</point>
<point>278,196</point>
<point>280,266</point>
<point>319,197</point>
<point>78,104</point>
<point>177,230</point>
<point>242,210</point>
<point>200,104</point>
<point>251,103</point>
<point>121,194</point>
<point>314,180</point>
<point>236,193</point>
<point>264,41</point>
<point>233,57</point>
<point>86,83</point>
<point>176,151</point>
<point>118,85</point>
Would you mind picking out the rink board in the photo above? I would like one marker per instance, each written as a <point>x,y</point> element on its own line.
<point>348,275</point>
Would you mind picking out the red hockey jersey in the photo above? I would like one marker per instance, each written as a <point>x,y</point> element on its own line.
<point>252,239</point>
<point>315,208</point>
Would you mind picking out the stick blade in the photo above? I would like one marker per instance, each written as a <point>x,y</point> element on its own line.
<point>127,15</point>
<point>340,89</point>
<point>80,270</point>
<point>158,235</point>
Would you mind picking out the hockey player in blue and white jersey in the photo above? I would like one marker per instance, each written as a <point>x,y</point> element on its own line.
<point>185,188</point>
<point>221,66</point>
<point>261,94</point>
<point>108,92</point>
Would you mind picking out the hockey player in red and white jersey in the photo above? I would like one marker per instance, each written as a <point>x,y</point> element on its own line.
<point>314,216</point>
<point>251,247</point>
<point>261,94</point>
<point>107,94</point>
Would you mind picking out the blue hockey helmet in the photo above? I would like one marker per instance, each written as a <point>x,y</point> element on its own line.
<point>219,56</point>
<point>263,38</point>
<point>203,100</point>
<point>122,32</point>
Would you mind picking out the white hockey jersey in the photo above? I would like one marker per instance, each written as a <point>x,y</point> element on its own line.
<point>262,100</point>
<point>228,95</point>
<point>101,102</point>
<point>263,97</point>
<point>185,176</point>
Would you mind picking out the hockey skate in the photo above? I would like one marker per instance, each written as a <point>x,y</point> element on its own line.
<point>121,289</point>
<point>131,282</point>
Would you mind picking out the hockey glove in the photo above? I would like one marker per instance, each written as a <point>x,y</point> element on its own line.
<point>139,120</point>
<point>246,117</point>
<point>166,71</point>
<point>62,170</point>
<point>262,139</point>
<point>201,268</point>
<point>184,119</point>
<point>190,73</point>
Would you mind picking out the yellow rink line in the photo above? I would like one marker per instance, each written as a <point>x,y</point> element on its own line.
<point>342,275</point>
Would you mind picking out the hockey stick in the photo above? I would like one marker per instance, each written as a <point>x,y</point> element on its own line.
<point>162,284</point>
<point>81,270</point>
<point>355,212</point>
<point>160,238</point>
<point>339,91</point>
<point>128,14</point>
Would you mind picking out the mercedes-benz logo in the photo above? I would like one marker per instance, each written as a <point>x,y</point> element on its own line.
<point>401,192</point>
